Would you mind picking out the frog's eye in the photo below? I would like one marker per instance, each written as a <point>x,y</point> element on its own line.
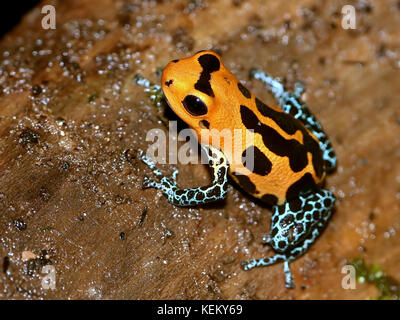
<point>194,105</point>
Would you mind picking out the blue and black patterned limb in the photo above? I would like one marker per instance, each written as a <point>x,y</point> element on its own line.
<point>153,90</point>
<point>291,103</point>
<point>294,227</point>
<point>193,196</point>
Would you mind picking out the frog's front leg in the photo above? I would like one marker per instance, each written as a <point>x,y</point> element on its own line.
<point>294,227</point>
<point>153,90</point>
<point>291,103</point>
<point>193,196</point>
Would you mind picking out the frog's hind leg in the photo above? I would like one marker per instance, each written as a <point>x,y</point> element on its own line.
<point>285,258</point>
<point>193,196</point>
<point>291,103</point>
<point>295,225</point>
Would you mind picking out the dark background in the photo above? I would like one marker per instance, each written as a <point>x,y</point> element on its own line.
<point>12,12</point>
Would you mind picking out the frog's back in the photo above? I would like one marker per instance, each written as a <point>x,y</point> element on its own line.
<point>275,158</point>
<point>287,157</point>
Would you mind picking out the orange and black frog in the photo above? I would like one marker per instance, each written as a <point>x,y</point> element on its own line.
<point>290,152</point>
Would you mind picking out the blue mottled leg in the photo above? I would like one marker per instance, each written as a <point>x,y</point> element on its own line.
<point>295,226</point>
<point>193,196</point>
<point>294,220</point>
<point>253,263</point>
<point>291,103</point>
<point>151,165</point>
<point>250,264</point>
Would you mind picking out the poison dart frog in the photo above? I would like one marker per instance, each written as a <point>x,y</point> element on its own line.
<point>291,152</point>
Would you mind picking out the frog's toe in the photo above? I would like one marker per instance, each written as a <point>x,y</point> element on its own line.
<point>299,88</point>
<point>141,81</point>
<point>148,161</point>
<point>148,183</point>
<point>174,176</point>
<point>248,264</point>
<point>289,283</point>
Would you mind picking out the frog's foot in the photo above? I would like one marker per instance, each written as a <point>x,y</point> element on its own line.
<point>151,164</point>
<point>285,258</point>
<point>149,86</point>
<point>153,90</point>
<point>193,196</point>
<point>166,185</point>
<point>250,264</point>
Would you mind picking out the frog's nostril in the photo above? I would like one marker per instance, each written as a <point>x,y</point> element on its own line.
<point>169,82</point>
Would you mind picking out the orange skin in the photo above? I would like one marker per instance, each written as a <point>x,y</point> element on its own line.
<point>179,79</point>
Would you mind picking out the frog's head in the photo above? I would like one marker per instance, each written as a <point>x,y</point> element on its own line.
<point>192,87</point>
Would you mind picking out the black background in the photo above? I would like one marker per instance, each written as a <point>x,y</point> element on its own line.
<point>11,13</point>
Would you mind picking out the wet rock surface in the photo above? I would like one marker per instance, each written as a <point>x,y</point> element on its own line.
<point>73,124</point>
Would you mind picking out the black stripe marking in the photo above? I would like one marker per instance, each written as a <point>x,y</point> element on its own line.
<point>305,183</point>
<point>209,63</point>
<point>295,151</point>
<point>295,205</point>
<point>204,124</point>
<point>290,126</point>
<point>221,175</point>
<point>282,119</point>
<point>245,182</point>
<point>261,164</point>
<point>270,199</point>
<point>244,91</point>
